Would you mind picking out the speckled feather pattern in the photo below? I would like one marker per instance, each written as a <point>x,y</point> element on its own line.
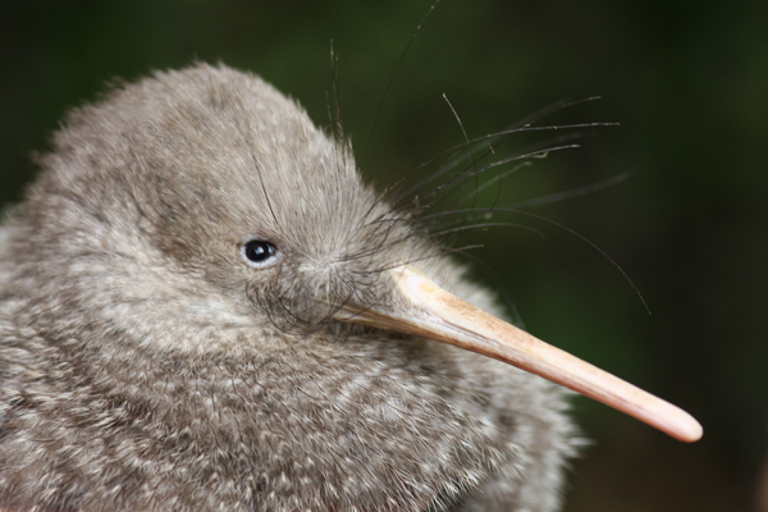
<point>144,366</point>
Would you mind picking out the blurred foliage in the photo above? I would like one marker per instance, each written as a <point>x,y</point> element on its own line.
<point>688,82</point>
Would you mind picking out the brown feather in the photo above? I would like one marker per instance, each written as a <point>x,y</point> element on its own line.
<point>146,366</point>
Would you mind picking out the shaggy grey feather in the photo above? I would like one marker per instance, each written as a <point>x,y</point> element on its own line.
<point>146,365</point>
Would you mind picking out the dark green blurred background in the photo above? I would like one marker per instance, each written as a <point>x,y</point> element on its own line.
<point>688,81</point>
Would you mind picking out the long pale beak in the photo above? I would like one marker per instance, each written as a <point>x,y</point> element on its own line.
<point>426,310</point>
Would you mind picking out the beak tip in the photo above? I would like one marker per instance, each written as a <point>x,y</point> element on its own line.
<point>680,425</point>
<point>692,432</point>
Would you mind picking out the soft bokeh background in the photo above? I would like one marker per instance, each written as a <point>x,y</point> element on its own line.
<point>688,81</point>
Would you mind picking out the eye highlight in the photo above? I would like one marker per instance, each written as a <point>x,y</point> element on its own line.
<point>258,253</point>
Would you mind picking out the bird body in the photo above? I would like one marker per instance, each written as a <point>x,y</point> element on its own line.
<point>172,330</point>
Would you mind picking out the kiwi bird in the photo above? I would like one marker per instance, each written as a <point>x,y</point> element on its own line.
<point>204,307</point>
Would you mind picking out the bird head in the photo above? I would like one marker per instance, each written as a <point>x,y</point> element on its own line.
<point>213,174</point>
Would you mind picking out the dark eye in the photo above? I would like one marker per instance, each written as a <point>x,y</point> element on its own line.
<point>258,252</point>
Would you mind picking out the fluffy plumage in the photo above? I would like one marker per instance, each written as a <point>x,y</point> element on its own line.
<point>145,365</point>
